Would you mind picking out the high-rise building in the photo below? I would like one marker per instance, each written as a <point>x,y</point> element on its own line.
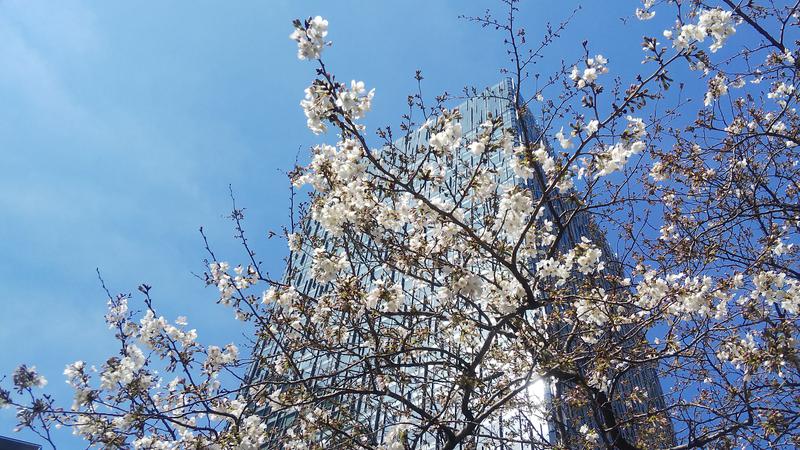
<point>7,443</point>
<point>542,421</point>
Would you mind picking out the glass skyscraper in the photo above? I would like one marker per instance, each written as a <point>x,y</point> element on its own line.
<point>544,422</point>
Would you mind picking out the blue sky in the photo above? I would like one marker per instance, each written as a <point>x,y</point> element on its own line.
<point>122,124</point>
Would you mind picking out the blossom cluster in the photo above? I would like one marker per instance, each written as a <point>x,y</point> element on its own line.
<point>717,23</point>
<point>310,37</point>
<point>587,77</point>
<point>615,156</point>
<point>385,295</point>
<point>585,257</point>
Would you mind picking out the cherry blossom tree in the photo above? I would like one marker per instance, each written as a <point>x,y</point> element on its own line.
<point>449,297</point>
